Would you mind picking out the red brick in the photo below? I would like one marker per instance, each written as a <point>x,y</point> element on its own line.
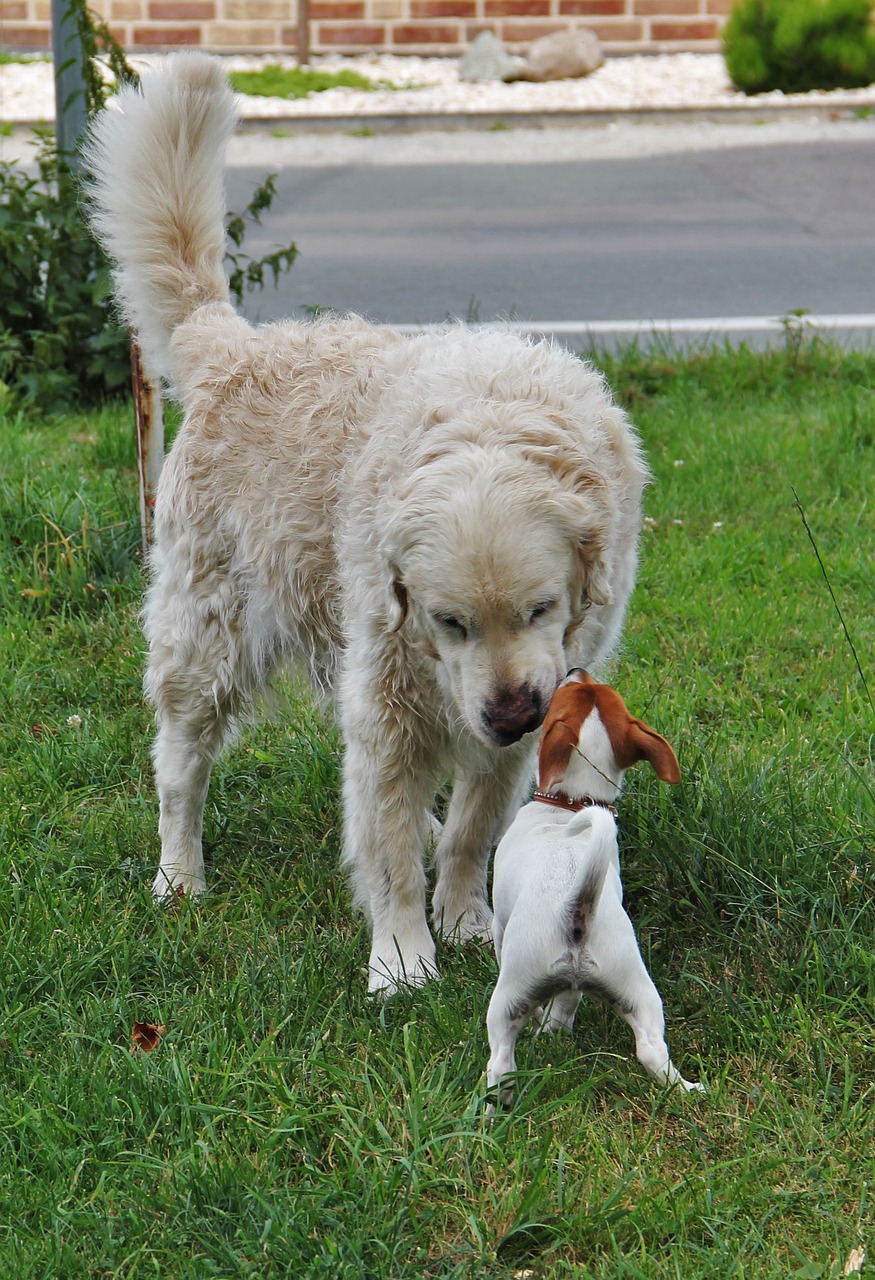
<point>618,32</point>
<point>160,36</point>
<point>443,8</point>
<point>427,33</point>
<point>125,10</point>
<point>516,8</point>
<point>525,32</point>
<point>14,12</point>
<point>354,34</point>
<point>26,37</point>
<point>664,8</point>
<point>181,11</point>
<point>683,30</point>
<point>723,7</point>
<point>347,10</point>
<point>590,8</point>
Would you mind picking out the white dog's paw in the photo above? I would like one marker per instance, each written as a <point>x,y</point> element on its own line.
<point>463,922</point>
<point>692,1086</point>
<point>175,883</point>
<point>392,966</point>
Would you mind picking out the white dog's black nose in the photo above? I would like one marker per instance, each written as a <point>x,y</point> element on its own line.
<point>513,713</point>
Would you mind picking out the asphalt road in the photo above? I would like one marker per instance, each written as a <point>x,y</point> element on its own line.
<point>737,231</point>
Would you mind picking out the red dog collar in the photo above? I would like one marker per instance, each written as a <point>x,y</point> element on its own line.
<point>561,801</point>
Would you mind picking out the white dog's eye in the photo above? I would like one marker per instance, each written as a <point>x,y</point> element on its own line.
<point>452,625</point>
<point>541,609</point>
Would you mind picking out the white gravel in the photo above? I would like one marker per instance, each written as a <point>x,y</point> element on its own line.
<point>432,86</point>
<point>430,91</point>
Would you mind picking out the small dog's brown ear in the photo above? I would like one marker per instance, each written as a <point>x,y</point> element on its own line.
<point>649,745</point>
<point>554,751</point>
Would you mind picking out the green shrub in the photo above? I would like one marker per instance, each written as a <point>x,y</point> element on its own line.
<point>60,343</point>
<point>798,45</point>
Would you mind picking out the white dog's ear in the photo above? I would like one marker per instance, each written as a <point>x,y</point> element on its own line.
<point>397,611</point>
<point>392,546</point>
<point>585,526</point>
<point>596,580</point>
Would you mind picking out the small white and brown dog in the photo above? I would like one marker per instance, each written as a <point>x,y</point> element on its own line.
<point>559,927</point>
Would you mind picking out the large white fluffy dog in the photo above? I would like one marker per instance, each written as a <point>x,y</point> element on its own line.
<point>434,527</point>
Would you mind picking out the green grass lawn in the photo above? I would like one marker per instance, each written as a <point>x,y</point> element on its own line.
<point>286,1125</point>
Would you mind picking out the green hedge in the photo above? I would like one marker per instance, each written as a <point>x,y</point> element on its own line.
<point>798,45</point>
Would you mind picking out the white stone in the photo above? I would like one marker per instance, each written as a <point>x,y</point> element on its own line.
<point>487,60</point>
<point>564,55</point>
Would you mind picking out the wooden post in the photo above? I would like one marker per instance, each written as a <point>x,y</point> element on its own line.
<point>149,420</point>
<point>303,33</point>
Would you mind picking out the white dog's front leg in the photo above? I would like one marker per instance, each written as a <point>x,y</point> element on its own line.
<point>480,809</point>
<point>386,827</point>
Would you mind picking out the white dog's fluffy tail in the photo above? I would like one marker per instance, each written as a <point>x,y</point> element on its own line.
<point>156,155</point>
<point>599,828</point>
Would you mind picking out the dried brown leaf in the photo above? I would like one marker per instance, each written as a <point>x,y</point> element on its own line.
<point>146,1036</point>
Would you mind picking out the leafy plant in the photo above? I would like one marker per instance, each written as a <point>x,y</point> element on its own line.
<point>246,272</point>
<point>799,45</point>
<point>60,341</point>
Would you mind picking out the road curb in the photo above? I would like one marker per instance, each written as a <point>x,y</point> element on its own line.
<point>448,121</point>
<point>412,122</point>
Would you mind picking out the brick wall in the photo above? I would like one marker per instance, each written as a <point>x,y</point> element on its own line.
<point>390,26</point>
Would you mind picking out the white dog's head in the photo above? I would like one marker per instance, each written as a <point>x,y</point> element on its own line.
<point>496,563</point>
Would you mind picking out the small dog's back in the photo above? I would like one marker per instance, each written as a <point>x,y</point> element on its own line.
<point>560,929</point>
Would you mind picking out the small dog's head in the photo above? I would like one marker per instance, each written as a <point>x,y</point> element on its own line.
<point>589,740</point>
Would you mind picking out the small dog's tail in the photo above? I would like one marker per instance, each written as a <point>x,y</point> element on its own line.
<point>599,827</point>
<point>157,200</point>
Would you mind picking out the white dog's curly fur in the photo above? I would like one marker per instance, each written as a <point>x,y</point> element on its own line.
<point>434,527</point>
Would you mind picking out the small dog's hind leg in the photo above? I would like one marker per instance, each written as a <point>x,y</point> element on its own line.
<point>647,1020</point>
<point>505,1019</point>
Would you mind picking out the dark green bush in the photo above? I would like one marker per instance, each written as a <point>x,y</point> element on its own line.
<point>60,344</point>
<point>798,45</point>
